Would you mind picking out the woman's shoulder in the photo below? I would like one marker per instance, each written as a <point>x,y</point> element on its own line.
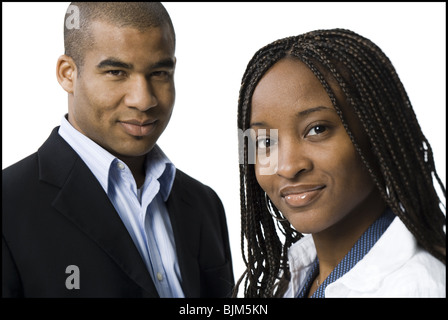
<point>422,275</point>
<point>396,266</point>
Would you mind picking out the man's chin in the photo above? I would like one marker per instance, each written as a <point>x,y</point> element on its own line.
<point>134,151</point>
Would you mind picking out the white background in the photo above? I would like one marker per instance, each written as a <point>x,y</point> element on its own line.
<point>215,41</point>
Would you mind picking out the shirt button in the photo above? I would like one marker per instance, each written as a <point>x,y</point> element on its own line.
<point>159,276</point>
<point>120,165</point>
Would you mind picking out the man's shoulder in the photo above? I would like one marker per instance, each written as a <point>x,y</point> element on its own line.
<point>22,167</point>
<point>19,186</point>
<point>190,183</point>
<point>50,157</point>
<point>194,189</point>
<point>20,170</point>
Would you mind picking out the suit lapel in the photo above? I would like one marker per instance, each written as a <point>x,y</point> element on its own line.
<point>186,229</point>
<point>83,201</point>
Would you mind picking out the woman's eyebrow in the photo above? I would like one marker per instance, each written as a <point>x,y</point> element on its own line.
<point>302,113</point>
<point>314,109</point>
<point>257,124</point>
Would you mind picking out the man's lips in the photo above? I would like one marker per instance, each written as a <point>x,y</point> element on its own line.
<point>138,128</point>
<point>301,195</point>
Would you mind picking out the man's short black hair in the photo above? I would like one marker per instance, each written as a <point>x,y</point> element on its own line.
<point>140,15</point>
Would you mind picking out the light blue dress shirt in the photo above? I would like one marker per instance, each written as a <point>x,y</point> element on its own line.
<point>143,211</point>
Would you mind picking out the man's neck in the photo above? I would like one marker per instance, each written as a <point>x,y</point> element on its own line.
<point>137,167</point>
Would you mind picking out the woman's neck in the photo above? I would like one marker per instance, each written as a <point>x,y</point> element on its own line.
<point>333,243</point>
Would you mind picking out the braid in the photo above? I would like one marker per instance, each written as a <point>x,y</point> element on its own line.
<point>398,158</point>
<point>265,252</point>
<point>399,151</point>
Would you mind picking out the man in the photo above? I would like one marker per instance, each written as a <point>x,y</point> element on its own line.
<point>99,210</point>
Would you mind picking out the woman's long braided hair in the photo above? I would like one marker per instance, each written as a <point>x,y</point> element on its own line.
<point>401,161</point>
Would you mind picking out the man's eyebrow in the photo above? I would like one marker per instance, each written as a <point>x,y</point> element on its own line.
<point>166,63</point>
<point>113,63</point>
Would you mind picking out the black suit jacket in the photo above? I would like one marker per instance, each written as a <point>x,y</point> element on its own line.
<point>55,214</point>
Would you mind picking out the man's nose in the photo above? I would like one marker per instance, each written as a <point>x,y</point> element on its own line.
<point>141,95</point>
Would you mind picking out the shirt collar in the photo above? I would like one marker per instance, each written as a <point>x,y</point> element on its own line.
<point>301,256</point>
<point>363,275</point>
<point>362,246</point>
<point>99,160</point>
<point>160,167</point>
<point>384,258</point>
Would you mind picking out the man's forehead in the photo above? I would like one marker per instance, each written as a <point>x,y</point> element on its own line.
<point>130,45</point>
<point>108,32</point>
<point>109,29</point>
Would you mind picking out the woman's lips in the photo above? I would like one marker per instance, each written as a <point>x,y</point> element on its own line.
<point>138,130</point>
<point>300,196</point>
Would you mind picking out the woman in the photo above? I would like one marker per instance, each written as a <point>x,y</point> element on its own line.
<point>350,183</point>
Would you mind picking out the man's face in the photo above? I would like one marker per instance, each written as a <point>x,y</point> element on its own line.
<point>124,96</point>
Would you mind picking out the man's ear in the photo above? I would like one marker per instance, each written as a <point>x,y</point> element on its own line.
<point>66,73</point>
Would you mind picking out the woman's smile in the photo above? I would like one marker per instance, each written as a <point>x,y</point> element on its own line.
<point>301,195</point>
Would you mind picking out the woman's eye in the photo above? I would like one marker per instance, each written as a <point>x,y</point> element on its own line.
<point>263,143</point>
<point>317,130</point>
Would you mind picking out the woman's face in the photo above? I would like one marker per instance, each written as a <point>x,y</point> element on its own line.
<point>319,179</point>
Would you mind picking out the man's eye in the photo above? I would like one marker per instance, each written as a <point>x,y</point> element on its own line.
<point>116,73</point>
<point>160,74</point>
